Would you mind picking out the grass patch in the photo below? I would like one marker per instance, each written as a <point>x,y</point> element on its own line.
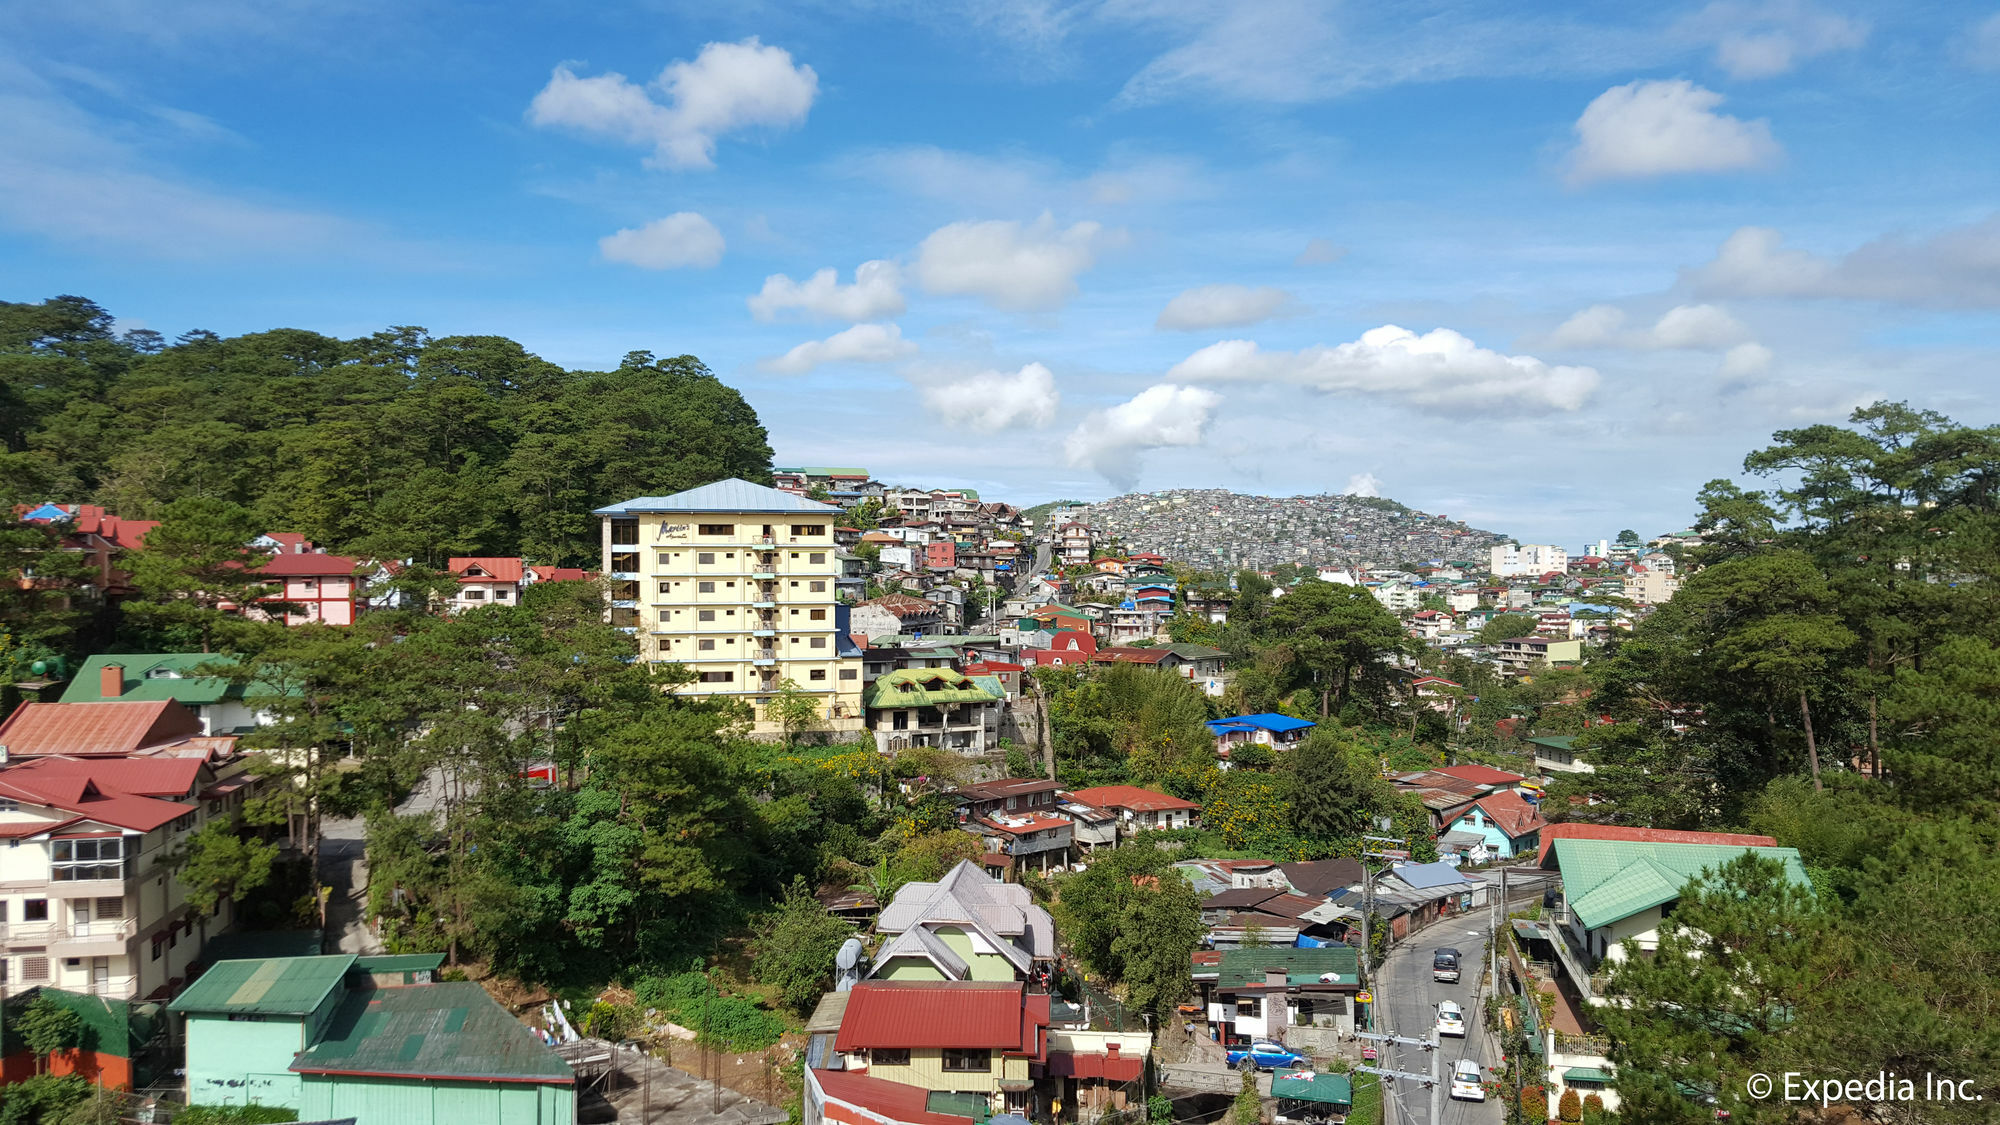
<point>1367,1101</point>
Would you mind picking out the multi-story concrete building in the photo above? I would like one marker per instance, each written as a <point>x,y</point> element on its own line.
<point>1510,559</point>
<point>737,582</point>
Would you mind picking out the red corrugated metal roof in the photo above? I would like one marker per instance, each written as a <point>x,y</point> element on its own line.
<point>1124,1068</point>
<point>143,777</point>
<point>496,569</point>
<point>1129,797</point>
<point>1483,775</point>
<point>1509,812</point>
<point>961,1014</point>
<point>88,797</point>
<point>38,729</point>
<point>1572,830</point>
<point>309,566</point>
<point>879,1096</point>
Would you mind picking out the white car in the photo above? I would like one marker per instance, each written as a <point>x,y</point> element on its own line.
<point>1465,1082</point>
<point>1451,1019</point>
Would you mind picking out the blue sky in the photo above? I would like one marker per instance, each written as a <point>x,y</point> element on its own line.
<point>1543,268</point>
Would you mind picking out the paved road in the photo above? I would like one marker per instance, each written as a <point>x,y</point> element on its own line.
<point>1406,998</point>
<point>1043,556</point>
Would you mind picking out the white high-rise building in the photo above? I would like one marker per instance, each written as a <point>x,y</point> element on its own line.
<point>1530,558</point>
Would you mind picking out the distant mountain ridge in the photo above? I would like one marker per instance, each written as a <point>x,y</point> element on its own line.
<point>1217,529</point>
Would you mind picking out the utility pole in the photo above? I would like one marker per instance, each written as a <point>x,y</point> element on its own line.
<point>1430,1080</point>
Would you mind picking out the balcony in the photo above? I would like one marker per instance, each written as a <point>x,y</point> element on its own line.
<point>116,988</point>
<point>98,938</point>
<point>767,604</point>
<point>763,632</point>
<point>625,575</point>
<point>764,575</point>
<point>29,933</point>
<point>62,882</point>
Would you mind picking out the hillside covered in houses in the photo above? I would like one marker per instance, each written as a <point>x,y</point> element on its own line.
<point>1213,528</point>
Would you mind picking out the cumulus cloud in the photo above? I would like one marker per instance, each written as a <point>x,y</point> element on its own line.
<point>728,86</point>
<point>1222,306</point>
<point>1363,484</point>
<point>1111,441</point>
<point>877,292</point>
<point>680,240</point>
<point>1746,359</point>
<point>1016,266</point>
<point>1955,268</point>
<point>863,343</point>
<point>1761,40</point>
<point>1644,129</point>
<point>996,400</point>
<point>1691,327</point>
<point>1440,371</point>
<point>1320,252</point>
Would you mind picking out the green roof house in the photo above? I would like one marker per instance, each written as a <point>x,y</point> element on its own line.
<point>933,707</point>
<point>223,706</point>
<point>1303,997</point>
<point>366,1038</point>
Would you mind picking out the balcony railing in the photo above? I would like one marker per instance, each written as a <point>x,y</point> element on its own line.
<point>115,987</point>
<point>27,931</point>
<point>101,928</point>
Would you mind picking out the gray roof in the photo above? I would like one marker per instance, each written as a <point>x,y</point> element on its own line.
<point>920,942</point>
<point>730,495</point>
<point>968,896</point>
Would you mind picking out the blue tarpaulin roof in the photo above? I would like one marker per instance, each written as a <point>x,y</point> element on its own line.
<point>1265,720</point>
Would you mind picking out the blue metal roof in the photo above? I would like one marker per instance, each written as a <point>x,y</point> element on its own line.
<point>1264,720</point>
<point>730,495</point>
<point>1423,876</point>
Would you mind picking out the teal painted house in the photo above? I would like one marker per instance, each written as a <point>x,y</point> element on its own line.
<point>1510,824</point>
<point>369,1038</point>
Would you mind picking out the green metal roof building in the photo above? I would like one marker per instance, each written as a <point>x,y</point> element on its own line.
<point>366,1037</point>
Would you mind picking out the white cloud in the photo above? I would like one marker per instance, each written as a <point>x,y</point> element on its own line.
<point>863,343</point>
<point>1320,252</point>
<point>1746,359</point>
<point>1010,265</point>
<point>1363,484</point>
<point>1698,327</point>
<point>1222,306</point>
<point>995,400</point>
<point>1762,40</point>
<point>728,86</point>
<point>876,293</point>
<point>1440,370</point>
<point>1689,327</point>
<point>680,240</point>
<point>1665,128</point>
<point>1111,441</point>
<point>1954,268</point>
<point>1980,46</point>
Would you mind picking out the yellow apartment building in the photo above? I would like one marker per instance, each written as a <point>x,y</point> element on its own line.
<point>737,582</point>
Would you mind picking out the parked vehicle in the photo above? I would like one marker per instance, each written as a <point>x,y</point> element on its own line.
<point>1444,965</point>
<point>1265,1056</point>
<point>1465,1084</point>
<point>1451,1019</point>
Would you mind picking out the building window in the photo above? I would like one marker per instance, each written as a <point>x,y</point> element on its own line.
<point>819,587</point>
<point>849,674</point>
<point>817,557</point>
<point>704,615</point>
<point>159,943</point>
<point>818,642</point>
<point>718,677</point>
<point>8,804</point>
<point>795,585</point>
<point>34,968</point>
<point>717,529</point>
<point>705,557</point>
<point>886,1056</point>
<point>666,587</point>
<point>473,595</point>
<point>816,674</point>
<point>808,529</point>
<point>35,910</point>
<point>96,858</point>
<point>1248,1006</point>
<point>817,615</point>
<point>705,645</point>
<point>704,587</point>
<point>624,533</point>
<point>967,1061</point>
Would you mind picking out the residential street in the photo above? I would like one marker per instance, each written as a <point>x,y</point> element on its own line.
<point>1406,998</point>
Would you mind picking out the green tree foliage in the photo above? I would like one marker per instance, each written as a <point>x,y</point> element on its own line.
<point>1508,626</point>
<point>1720,998</point>
<point>1248,1108</point>
<point>221,863</point>
<point>396,445</point>
<point>1098,911</point>
<point>45,1099</point>
<point>796,947</point>
<point>1329,786</point>
<point>197,571</point>
<point>47,1027</point>
<point>236,1115</point>
<point>1337,635</point>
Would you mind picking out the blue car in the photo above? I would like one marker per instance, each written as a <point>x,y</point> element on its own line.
<point>1265,1056</point>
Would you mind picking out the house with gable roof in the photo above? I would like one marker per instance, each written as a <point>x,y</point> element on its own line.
<point>933,707</point>
<point>1507,823</point>
<point>965,926</point>
<point>224,706</point>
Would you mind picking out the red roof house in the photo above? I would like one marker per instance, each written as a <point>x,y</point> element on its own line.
<point>1575,831</point>
<point>1480,775</point>
<point>112,729</point>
